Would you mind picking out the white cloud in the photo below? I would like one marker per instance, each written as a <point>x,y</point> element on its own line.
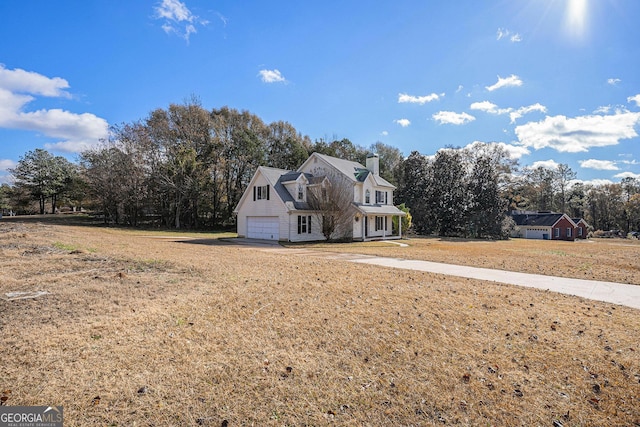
<point>604,109</point>
<point>6,164</point>
<point>453,118</point>
<point>613,82</point>
<point>547,164</point>
<point>18,80</point>
<point>5,176</point>
<point>594,182</point>
<point>515,152</point>
<point>510,81</point>
<point>491,108</point>
<point>627,175</point>
<point>629,162</point>
<point>271,76</point>
<point>516,114</point>
<point>503,33</point>
<point>603,165</point>
<point>486,106</point>
<point>73,131</point>
<point>384,133</point>
<point>635,99</point>
<point>403,122</point>
<point>178,18</point>
<point>460,87</point>
<point>405,98</point>
<point>578,134</point>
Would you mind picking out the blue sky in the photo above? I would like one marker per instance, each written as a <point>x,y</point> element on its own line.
<point>554,81</point>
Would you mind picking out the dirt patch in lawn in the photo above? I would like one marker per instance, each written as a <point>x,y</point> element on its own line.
<point>144,331</point>
<point>598,259</point>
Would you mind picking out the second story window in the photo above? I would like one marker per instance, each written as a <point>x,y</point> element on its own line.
<point>300,192</point>
<point>367,197</point>
<point>381,197</point>
<point>261,192</point>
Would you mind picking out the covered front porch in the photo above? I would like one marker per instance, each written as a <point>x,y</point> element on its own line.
<point>376,222</point>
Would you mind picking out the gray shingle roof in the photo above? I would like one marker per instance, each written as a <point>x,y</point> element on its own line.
<point>539,220</point>
<point>353,170</point>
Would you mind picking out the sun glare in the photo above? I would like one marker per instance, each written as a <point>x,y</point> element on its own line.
<point>576,18</point>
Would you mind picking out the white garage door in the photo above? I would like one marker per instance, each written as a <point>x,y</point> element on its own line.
<point>537,234</point>
<point>263,227</point>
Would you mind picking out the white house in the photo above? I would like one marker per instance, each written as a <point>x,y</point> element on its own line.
<point>274,206</point>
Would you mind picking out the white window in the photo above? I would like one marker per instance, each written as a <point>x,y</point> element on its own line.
<point>261,192</point>
<point>304,224</point>
<point>557,232</point>
<point>579,231</point>
<point>381,223</point>
<point>569,232</point>
<point>367,197</point>
<point>300,192</point>
<point>381,197</point>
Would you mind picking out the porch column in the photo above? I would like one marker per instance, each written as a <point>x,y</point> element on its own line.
<point>399,226</point>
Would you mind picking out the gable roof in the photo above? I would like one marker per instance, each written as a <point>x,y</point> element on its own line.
<point>294,175</point>
<point>284,194</point>
<point>272,175</point>
<point>578,220</point>
<point>539,219</point>
<point>354,171</point>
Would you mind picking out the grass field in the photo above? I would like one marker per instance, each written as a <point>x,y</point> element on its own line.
<point>150,329</point>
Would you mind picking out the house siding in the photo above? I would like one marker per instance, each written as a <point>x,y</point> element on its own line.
<point>262,208</point>
<point>563,224</point>
<point>316,228</point>
<point>287,207</point>
<point>581,230</point>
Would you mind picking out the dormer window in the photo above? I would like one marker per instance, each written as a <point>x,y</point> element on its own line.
<point>367,197</point>
<point>300,192</point>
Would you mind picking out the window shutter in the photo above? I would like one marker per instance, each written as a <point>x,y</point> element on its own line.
<point>385,224</point>
<point>386,197</point>
<point>309,224</point>
<point>254,193</point>
<point>268,192</point>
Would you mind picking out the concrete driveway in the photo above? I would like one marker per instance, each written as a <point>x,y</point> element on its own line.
<point>615,293</point>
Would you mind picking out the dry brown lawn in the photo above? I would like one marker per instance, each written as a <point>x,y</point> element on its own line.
<point>146,331</point>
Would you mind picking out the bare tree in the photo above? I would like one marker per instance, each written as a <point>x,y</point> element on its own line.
<point>331,200</point>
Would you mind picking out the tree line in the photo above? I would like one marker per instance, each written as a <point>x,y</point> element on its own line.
<point>181,167</point>
<point>187,167</point>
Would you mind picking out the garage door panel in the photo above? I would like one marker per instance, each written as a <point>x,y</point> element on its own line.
<point>537,234</point>
<point>263,227</point>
